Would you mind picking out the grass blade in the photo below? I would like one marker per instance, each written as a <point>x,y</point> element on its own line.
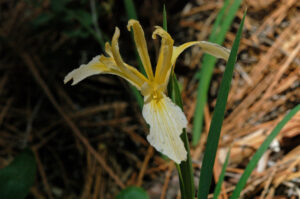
<point>221,177</point>
<point>130,9</point>
<point>217,120</point>
<point>220,28</point>
<point>262,149</point>
<point>165,21</point>
<point>137,96</point>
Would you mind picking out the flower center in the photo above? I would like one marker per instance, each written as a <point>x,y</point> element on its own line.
<point>156,95</point>
<point>153,90</point>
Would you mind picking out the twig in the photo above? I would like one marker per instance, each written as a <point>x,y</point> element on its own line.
<point>42,173</point>
<point>144,165</point>
<point>167,180</point>
<point>30,121</point>
<point>5,109</point>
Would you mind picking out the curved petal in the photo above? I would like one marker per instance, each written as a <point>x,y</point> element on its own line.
<point>141,45</point>
<point>166,122</point>
<point>122,66</point>
<point>137,79</point>
<point>94,67</point>
<point>104,65</point>
<point>163,66</point>
<point>208,47</point>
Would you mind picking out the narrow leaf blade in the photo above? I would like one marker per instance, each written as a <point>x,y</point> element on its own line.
<point>221,177</point>
<point>220,28</point>
<point>259,153</point>
<point>217,120</point>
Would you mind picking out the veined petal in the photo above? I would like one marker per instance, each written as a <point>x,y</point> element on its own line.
<point>94,67</point>
<point>104,65</point>
<point>208,47</point>
<point>110,61</point>
<point>163,66</point>
<point>140,41</point>
<point>122,66</point>
<point>136,80</point>
<point>108,49</point>
<point>166,122</point>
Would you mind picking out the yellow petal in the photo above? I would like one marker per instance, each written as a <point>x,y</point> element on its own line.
<point>166,122</point>
<point>137,79</point>
<point>141,45</point>
<point>104,65</point>
<point>115,50</point>
<point>208,47</point>
<point>130,73</point>
<point>94,67</point>
<point>163,66</point>
<point>108,49</point>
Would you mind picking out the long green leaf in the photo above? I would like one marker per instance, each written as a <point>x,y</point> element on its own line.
<point>262,149</point>
<point>130,9</point>
<point>217,120</point>
<point>165,21</point>
<point>17,178</point>
<point>220,28</point>
<point>221,177</point>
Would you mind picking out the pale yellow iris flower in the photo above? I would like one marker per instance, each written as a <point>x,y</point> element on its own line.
<point>165,118</point>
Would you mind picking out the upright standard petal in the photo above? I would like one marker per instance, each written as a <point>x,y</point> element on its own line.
<point>140,41</point>
<point>163,66</point>
<point>166,122</point>
<point>122,66</point>
<point>208,47</point>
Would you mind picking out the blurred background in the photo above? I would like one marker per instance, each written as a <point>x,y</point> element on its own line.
<point>89,140</point>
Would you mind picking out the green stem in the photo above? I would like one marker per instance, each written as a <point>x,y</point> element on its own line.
<point>185,169</point>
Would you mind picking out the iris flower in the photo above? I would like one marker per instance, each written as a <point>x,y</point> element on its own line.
<point>166,119</point>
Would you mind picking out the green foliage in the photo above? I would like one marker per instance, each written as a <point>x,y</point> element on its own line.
<point>42,19</point>
<point>130,9</point>
<point>259,153</point>
<point>59,5</point>
<point>165,21</point>
<point>17,178</point>
<point>185,169</point>
<point>67,14</point>
<point>217,120</point>
<point>220,28</point>
<point>221,177</point>
<point>133,193</point>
